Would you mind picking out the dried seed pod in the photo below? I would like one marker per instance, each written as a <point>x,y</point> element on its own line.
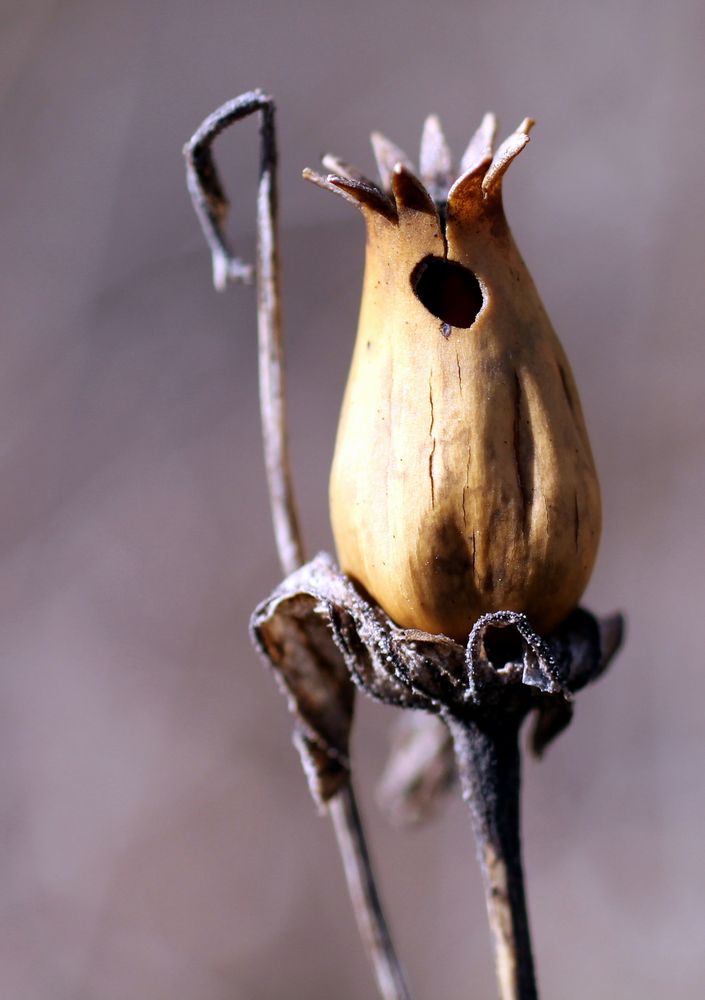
<point>463,480</point>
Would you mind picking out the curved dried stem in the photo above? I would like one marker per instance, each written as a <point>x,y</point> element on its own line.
<point>488,760</point>
<point>211,205</point>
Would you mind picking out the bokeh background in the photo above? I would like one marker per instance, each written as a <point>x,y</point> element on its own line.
<point>156,837</point>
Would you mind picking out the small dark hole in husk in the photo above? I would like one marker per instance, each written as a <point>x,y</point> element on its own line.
<point>448,290</point>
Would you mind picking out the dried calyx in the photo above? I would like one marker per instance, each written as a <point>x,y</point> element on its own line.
<point>463,481</point>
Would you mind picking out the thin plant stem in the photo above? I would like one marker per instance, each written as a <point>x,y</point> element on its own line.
<point>488,759</point>
<point>211,206</point>
<point>362,887</point>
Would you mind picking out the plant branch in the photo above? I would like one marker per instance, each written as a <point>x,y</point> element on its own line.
<point>211,205</point>
<point>488,759</point>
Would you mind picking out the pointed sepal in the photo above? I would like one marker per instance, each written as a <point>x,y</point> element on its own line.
<point>409,193</point>
<point>435,159</point>
<point>481,146</point>
<point>387,155</point>
<point>362,193</point>
<point>508,151</point>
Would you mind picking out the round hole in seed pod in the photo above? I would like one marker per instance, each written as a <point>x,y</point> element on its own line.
<point>448,290</point>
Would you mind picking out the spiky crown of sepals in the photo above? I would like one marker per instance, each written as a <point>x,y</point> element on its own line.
<point>435,187</point>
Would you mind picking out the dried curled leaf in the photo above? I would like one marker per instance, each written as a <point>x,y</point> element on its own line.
<point>321,636</point>
<point>297,643</point>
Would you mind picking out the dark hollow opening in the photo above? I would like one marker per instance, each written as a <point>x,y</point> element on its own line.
<point>448,290</point>
<point>502,645</point>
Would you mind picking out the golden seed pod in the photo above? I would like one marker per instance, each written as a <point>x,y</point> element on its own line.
<point>463,480</point>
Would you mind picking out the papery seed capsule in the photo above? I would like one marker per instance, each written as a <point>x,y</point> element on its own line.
<point>463,480</point>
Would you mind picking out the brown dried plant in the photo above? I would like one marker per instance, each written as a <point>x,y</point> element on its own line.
<point>460,570</point>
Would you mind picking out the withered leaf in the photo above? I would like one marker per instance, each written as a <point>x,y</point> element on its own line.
<point>322,637</point>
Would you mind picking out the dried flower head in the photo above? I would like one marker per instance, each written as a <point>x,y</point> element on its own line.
<point>463,481</point>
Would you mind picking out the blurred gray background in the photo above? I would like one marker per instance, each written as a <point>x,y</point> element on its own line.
<point>156,838</point>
